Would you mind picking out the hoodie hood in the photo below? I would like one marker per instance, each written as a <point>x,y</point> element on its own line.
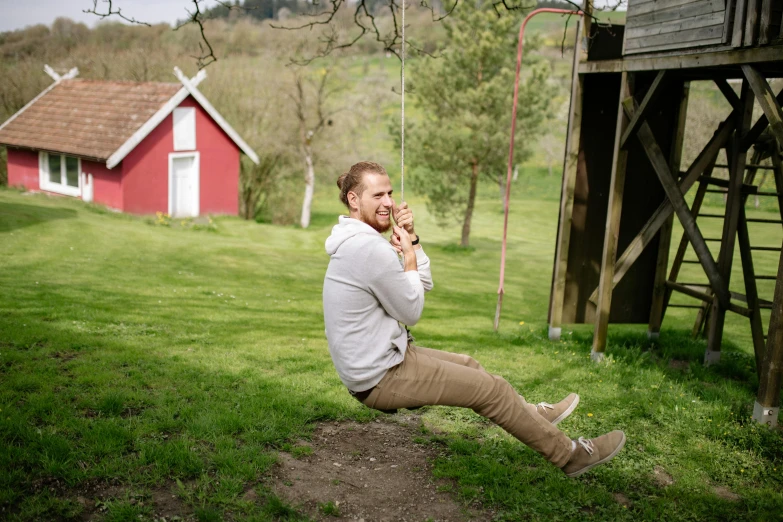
<point>344,230</point>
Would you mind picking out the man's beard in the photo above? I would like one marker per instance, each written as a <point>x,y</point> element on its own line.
<point>371,218</point>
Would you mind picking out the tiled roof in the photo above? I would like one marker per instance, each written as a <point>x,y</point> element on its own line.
<point>87,118</point>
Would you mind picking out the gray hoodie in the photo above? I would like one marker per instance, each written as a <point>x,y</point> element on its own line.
<point>366,297</point>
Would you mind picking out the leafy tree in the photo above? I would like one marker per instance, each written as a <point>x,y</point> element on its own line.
<point>465,97</point>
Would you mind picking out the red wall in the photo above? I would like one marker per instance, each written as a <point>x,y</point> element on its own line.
<point>107,187</point>
<point>145,170</point>
<point>23,169</point>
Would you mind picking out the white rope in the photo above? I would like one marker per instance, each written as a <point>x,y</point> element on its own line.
<point>402,122</point>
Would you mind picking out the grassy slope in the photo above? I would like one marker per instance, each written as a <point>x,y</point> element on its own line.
<point>144,354</point>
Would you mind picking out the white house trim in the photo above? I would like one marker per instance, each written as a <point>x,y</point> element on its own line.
<point>71,74</point>
<point>58,188</point>
<point>191,87</point>
<point>56,77</point>
<point>197,165</point>
<point>152,123</point>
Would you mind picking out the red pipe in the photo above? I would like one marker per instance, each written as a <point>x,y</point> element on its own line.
<point>511,147</point>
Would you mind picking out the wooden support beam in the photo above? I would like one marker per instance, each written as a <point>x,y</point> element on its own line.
<point>658,306</point>
<point>737,160</point>
<point>705,158</point>
<point>777,172</point>
<point>689,291</point>
<point>705,296</point>
<point>727,91</point>
<point>684,59</point>
<point>760,126</point>
<point>751,292</point>
<point>658,161</point>
<point>640,114</point>
<point>769,104</point>
<point>748,165</point>
<point>767,406</point>
<point>612,232</point>
<point>745,189</point>
<point>763,303</point>
<point>702,318</point>
<point>748,271</point>
<point>570,167</point>
<point>679,257</point>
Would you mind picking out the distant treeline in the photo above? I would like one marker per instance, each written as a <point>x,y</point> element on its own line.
<point>283,9</point>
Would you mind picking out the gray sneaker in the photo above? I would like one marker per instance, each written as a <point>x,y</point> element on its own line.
<point>554,413</point>
<point>590,453</point>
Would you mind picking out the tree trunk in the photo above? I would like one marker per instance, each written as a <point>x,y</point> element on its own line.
<point>309,187</point>
<point>471,203</point>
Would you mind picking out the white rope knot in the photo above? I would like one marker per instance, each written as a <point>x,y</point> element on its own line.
<point>544,406</point>
<point>586,444</point>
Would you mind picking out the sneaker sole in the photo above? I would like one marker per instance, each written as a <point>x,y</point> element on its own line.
<point>568,411</point>
<point>602,461</point>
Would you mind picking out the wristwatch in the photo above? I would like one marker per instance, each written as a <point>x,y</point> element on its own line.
<point>417,240</point>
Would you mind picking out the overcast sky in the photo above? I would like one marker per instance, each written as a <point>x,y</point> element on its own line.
<point>16,14</point>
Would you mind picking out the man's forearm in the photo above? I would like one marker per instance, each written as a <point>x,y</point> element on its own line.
<point>410,263</point>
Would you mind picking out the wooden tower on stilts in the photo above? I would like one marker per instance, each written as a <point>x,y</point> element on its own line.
<point>623,182</point>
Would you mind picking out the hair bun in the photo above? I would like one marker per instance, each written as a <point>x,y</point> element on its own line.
<point>341,180</point>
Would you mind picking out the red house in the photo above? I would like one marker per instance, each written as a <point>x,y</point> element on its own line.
<point>136,147</point>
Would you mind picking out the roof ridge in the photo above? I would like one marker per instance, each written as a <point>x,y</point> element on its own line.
<point>133,82</point>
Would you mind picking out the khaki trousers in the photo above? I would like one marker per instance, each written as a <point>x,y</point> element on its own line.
<point>432,377</point>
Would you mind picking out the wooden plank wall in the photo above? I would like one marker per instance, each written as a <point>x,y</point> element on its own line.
<point>666,25</point>
<point>643,193</point>
<point>659,25</point>
<point>754,22</point>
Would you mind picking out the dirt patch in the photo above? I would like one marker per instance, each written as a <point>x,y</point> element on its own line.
<point>622,499</point>
<point>372,471</point>
<point>166,504</point>
<point>725,493</point>
<point>661,477</point>
<point>64,356</point>
<point>676,364</point>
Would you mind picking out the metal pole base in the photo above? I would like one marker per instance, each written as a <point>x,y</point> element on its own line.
<point>653,335</point>
<point>765,415</point>
<point>597,356</point>
<point>554,333</point>
<point>711,358</point>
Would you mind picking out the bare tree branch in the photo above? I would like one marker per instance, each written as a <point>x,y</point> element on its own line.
<point>196,17</point>
<point>436,18</point>
<point>330,39</point>
<point>367,24</point>
<point>110,11</point>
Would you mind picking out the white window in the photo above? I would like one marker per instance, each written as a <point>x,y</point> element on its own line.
<point>185,128</point>
<point>60,173</point>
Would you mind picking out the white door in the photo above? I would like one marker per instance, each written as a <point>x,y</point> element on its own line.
<point>183,185</point>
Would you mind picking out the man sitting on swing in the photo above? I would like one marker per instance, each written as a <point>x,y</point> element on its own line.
<point>368,297</point>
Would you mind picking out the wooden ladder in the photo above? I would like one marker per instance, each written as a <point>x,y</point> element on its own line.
<point>764,148</point>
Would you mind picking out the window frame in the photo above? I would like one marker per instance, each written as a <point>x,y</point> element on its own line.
<point>184,129</point>
<point>62,187</point>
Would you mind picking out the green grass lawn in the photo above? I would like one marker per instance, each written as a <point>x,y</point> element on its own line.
<point>142,355</point>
